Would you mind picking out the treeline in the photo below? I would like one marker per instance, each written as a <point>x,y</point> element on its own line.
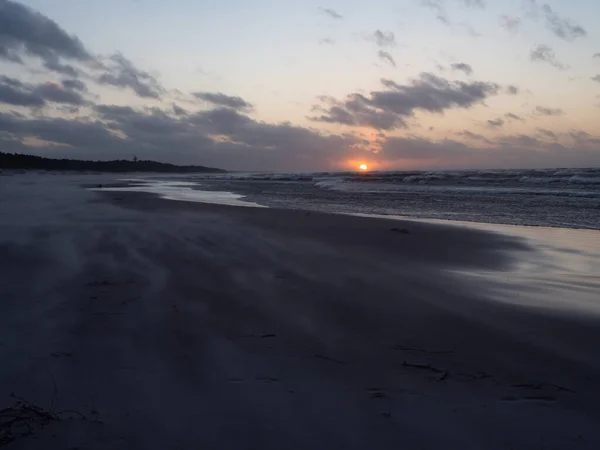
<point>20,161</point>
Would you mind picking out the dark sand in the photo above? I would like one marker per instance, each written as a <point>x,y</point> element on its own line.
<point>180,325</point>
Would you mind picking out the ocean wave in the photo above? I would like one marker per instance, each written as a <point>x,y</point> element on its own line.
<point>556,179</point>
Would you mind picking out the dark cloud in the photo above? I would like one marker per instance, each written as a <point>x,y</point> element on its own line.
<point>596,55</point>
<point>178,110</point>
<point>120,72</point>
<point>542,111</point>
<point>464,67</point>
<point>510,23</point>
<point>26,32</point>
<point>508,151</point>
<point>331,13</point>
<point>89,136</point>
<point>55,93</point>
<point>514,117</point>
<point>395,149</point>
<point>596,78</point>
<point>520,140</point>
<point>495,123</point>
<point>15,92</point>
<point>384,38</point>
<point>226,138</point>
<point>585,139</point>
<point>512,89</point>
<point>560,26</point>
<point>473,136</point>
<point>388,109</point>
<point>55,65</point>
<point>114,112</point>
<point>74,85</point>
<point>546,133</point>
<point>385,56</point>
<point>10,55</point>
<point>221,137</point>
<point>220,99</point>
<point>546,54</point>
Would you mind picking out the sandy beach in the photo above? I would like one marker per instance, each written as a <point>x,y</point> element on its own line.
<point>138,323</point>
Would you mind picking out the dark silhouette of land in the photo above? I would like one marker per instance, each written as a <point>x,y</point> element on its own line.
<point>21,161</point>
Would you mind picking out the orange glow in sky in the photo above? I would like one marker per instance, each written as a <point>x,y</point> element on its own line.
<point>363,167</point>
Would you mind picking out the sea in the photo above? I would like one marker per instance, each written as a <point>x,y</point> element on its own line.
<point>563,198</point>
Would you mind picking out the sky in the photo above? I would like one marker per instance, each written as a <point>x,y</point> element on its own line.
<point>284,85</point>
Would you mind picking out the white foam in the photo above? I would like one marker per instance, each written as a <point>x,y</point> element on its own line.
<point>181,191</point>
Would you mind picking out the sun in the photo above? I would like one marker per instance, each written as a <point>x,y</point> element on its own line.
<point>363,167</point>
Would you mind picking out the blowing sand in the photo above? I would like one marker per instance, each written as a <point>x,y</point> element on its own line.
<point>169,324</point>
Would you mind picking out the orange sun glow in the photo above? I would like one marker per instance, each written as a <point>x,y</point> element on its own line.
<point>363,167</point>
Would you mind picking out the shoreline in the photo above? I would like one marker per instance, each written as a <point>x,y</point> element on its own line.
<point>238,327</point>
<point>163,190</point>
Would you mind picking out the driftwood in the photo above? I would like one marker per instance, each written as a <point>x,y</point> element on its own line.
<point>23,418</point>
<point>419,350</point>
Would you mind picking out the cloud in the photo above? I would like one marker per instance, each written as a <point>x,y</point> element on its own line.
<point>475,3</point>
<point>26,32</point>
<point>121,73</point>
<point>464,67</point>
<point>510,23</point>
<point>220,137</point>
<point>10,55</point>
<point>178,110</point>
<point>496,123</point>
<point>549,112</point>
<point>74,85</point>
<point>385,56</point>
<point>402,148</point>
<point>388,109</point>
<point>55,93</point>
<point>14,92</point>
<point>514,117</point>
<point>438,7</point>
<point>55,65</point>
<point>326,41</point>
<point>596,55</point>
<point>511,89</point>
<point>546,54</point>
<point>473,136</point>
<point>331,13</point>
<point>507,152</point>
<point>226,138</point>
<point>384,38</point>
<point>546,133</point>
<point>470,30</point>
<point>220,99</point>
<point>560,26</point>
<point>596,78</point>
<point>584,139</point>
<point>520,140</point>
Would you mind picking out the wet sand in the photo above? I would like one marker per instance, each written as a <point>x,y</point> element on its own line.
<point>177,325</point>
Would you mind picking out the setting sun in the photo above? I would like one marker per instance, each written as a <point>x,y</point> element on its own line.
<point>363,167</point>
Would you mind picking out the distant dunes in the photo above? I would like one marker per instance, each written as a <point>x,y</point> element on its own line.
<point>21,161</point>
